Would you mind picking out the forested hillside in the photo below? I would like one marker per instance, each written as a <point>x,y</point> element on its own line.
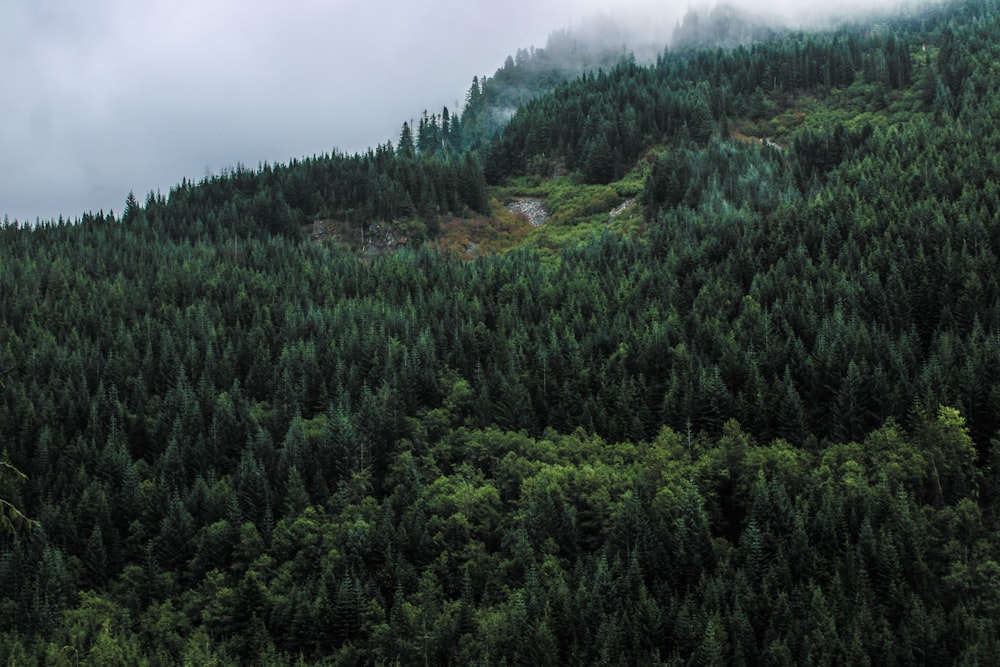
<point>755,420</point>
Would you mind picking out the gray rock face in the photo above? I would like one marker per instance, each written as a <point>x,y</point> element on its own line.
<point>533,209</point>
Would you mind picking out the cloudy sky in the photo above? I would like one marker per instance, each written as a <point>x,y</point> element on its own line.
<point>107,96</point>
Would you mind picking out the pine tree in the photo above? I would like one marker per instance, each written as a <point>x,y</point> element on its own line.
<point>599,163</point>
<point>133,210</point>
<point>12,521</point>
<point>406,148</point>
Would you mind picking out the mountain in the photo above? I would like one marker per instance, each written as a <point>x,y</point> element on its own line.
<point>724,26</point>
<point>736,399</point>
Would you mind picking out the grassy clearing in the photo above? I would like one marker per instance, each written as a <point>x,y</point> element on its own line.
<point>577,211</point>
<point>482,235</point>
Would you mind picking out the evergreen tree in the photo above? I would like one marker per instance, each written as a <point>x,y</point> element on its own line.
<point>12,520</point>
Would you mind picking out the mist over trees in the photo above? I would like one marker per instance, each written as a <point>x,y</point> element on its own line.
<point>761,427</point>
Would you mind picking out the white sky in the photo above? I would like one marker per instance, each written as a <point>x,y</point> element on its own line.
<point>107,96</point>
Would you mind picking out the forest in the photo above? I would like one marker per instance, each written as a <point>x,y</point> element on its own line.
<point>754,420</point>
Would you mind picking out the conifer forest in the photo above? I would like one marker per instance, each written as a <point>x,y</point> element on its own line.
<point>735,402</point>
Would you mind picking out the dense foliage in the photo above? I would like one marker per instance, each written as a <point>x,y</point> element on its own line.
<point>600,41</point>
<point>399,191</point>
<point>764,431</point>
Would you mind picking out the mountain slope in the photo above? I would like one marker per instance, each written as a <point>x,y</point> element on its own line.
<point>750,418</point>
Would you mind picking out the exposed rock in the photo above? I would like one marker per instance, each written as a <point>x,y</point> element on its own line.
<point>760,141</point>
<point>531,208</point>
<point>621,208</point>
<point>370,237</point>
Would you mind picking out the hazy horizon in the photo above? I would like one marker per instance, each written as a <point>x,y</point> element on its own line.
<point>107,97</point>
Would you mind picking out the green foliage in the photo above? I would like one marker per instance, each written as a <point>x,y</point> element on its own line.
<point>751,418</point>
<point>12,520</point>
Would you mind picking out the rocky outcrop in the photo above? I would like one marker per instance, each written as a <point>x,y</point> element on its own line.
<point>532,209</point>
<point>371,237</point>
<point>621,208</point>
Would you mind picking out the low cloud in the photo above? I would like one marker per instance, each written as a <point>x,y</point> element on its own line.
<point>110,96</point>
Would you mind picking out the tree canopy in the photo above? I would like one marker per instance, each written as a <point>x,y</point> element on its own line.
<point>751,416</point>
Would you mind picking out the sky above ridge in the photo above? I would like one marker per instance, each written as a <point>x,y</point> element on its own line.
<point>105,97</point>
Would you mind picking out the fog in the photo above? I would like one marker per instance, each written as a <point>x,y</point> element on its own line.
<point>108,96</point>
